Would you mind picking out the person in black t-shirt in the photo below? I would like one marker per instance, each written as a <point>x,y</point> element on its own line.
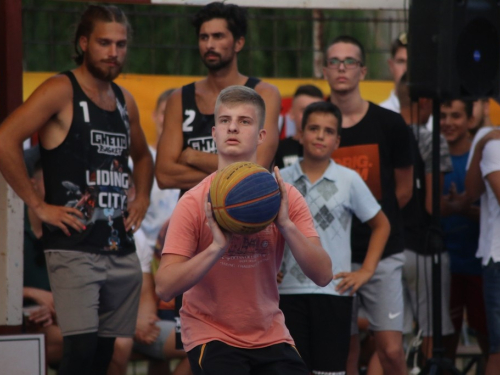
<point>186,151</point>
<point>376,143</point>
<point>87,126</point>
<point>290,149</point>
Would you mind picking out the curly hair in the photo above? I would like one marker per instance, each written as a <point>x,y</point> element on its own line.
<point>235,16</point>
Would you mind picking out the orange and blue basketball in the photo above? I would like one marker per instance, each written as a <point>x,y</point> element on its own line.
<point>245,198</point>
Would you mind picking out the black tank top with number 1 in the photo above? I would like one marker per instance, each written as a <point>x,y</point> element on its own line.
<point>89,171</point>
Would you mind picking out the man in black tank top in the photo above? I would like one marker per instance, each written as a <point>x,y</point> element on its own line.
<point>186,150</point>
<point>88,127</point>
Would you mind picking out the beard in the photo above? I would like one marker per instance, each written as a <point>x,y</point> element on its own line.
<point>217,64</point>
<point>107,74</point>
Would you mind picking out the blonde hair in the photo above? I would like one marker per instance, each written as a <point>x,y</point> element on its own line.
<point>242,95</point>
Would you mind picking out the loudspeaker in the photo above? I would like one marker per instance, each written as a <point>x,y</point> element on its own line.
<point>454,49</point>
<point>423,34</point>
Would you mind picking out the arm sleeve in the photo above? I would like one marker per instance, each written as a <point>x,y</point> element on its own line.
<point>480,134</point>
<point>183,230</point>
<point>299,212</point>
<point>363,203</point>
<point>490,162</point>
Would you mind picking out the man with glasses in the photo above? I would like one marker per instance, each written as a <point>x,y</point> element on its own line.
<point>376,143</point>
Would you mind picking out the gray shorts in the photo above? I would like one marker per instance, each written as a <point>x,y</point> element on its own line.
<point>156,349</point>
<point>381,298</point>
<point>94,292</point>
<point>417,280</point>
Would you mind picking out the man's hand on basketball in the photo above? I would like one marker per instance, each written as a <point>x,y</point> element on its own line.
<point>61,217</point>
<point>136,211</point>
<point>283,218</point>
<point>352,280</point>
<point>221,238</point>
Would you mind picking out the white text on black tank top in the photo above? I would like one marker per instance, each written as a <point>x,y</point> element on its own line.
<point>108,143</point>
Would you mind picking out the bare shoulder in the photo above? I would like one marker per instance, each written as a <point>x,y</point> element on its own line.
<point>268,89</point>
<point>128,96</point>
<point>176,94</point>
<point>56,87</point>
<point>50,98</point>
<point>174,102</point>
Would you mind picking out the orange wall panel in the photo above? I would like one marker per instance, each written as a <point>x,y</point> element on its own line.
<point>147,88</point>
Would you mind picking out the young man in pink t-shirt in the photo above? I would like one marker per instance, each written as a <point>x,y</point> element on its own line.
<point>231,322</point>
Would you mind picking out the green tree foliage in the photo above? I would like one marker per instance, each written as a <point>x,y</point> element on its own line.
<point>279,41</point>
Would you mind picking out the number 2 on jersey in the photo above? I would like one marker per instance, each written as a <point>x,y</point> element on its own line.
<point>186,125</point>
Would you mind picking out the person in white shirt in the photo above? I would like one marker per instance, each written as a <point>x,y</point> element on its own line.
<point>483,180</point>
<point>397,66</point>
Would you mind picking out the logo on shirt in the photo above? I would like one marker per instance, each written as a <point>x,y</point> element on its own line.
<point>248,251</point>
<point>205,144</point>
<point>108,143</point>
<point>365,160</point>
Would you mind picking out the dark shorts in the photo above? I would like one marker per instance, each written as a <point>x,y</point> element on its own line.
<point>320,325</point>
<point>217,358</point>
<point>491,285</point>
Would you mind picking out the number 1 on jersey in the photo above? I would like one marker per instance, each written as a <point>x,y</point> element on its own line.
<point>85,108</point>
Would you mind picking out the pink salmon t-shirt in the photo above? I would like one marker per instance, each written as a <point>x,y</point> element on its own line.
<point>236,302</point>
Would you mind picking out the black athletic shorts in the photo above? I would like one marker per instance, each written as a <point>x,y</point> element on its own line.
<point>218,358</point>
<point>320,325</point>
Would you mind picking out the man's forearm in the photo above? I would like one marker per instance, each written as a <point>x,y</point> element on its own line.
<point>173,279</point>
<point>380,233</point>
<point>147,303</point>
<point>404,185</point>
<point>178,176</point>
<point>474,184</point>
<point>203,161</point>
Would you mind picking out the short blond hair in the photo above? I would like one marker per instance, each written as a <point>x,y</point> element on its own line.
<point>242,95</point>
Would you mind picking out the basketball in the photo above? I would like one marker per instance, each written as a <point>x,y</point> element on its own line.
<point>245,198</point>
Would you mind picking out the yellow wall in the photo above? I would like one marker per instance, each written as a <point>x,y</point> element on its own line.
<point>147,88</point>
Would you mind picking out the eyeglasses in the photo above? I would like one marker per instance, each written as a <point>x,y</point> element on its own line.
<point>349,63</point>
